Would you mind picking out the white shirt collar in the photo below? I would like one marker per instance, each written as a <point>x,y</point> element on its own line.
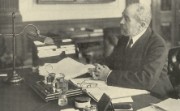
<point>136,37</point>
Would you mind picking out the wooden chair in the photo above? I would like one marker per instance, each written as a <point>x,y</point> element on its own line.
<point>174,70</point>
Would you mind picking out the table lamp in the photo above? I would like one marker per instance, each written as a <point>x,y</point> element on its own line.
<point>15,77</point>
<point>32,32</point>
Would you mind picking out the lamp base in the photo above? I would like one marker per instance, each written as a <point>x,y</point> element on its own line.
<point>14,79</point>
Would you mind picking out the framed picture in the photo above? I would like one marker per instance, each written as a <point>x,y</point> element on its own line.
<point>72,1</point>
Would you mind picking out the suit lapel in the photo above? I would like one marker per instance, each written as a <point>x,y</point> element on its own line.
<point>142,41</point>
<point>132,53</point>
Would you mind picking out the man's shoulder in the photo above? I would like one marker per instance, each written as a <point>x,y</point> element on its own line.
<point>156,42</point>
<point>155,38</point>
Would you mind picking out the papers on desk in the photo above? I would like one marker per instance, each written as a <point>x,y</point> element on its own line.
<point>111,91</point>
<point>67,66</point>
<point>149,108</point>
<point>38,43</point>
<point>52,50</point>
<point>166,105</point>
<point>49,53</point>
<point>69,109</point>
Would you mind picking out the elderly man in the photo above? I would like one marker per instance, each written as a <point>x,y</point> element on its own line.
<point>140,58</point>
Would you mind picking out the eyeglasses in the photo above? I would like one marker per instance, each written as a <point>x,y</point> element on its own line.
<point>85,84</point>
<point>49,68</point>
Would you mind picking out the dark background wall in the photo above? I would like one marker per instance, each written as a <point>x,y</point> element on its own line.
<point>23,47</point>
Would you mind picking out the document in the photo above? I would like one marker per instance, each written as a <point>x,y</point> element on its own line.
<point>169,104</point>
<point>166,105</point>
<point>68,66</point>
<point>96,88</point>
<point>149,108</point>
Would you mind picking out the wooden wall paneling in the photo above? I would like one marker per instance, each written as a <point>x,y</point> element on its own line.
<point>177,19</point>
<point>166,31</point>
<point>57,28</point>
<point>166,5</point>
<point>45,27</point>
<point>7,7</point>
<point>50,26</point>
<point>163,20</point>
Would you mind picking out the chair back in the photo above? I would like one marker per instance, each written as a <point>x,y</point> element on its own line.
<point>174,65</point>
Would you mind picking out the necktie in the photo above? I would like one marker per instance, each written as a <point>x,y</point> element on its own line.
<point>129,44</point>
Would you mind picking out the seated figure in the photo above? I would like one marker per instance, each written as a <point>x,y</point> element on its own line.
<point>139,59</point>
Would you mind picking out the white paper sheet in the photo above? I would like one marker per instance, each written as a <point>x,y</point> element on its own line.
<point>170,104</point>
<point>166,105</point>
<point>67,66</point>
<point>38,43</point>
<point>49,53</point>
<point>149,108</point>
<point>102,87</point>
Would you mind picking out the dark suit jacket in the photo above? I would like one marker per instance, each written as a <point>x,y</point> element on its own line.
<point>144,66</point>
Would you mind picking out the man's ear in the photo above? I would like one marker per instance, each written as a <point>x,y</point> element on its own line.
<point>143,24</point>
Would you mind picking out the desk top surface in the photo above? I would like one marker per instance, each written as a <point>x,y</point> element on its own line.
<point>23,98</point>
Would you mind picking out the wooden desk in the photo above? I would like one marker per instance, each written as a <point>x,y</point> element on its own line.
<point>23,98</point>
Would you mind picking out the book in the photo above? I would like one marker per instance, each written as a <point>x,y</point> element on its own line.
<point>101,88</point>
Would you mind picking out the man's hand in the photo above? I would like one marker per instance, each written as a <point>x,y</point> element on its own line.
<point>101,71</point>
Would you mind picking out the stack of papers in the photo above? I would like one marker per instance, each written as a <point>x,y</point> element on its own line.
<point>68,66</point>
<point>38,43</point>
<point>52,50</point>
<point>45,50</point>
<point>68,49</point>
<point>166,105</point>
<point>116,93</point>
<point>49,53</point>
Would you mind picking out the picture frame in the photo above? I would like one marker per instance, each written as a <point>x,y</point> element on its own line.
<point>73,1</point>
